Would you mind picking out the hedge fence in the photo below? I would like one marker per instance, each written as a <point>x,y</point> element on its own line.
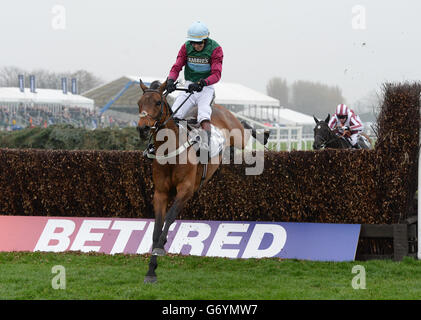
<point>331,186</point>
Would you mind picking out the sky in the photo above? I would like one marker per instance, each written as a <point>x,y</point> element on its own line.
<point>356,45</point>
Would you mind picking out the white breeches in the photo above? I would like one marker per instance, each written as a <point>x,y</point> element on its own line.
<point>202,99</point>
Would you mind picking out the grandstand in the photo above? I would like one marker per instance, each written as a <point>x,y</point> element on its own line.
<point>22,108</point>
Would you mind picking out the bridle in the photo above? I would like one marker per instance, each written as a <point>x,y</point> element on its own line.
<point>324,141</point>
<point>157,125</point>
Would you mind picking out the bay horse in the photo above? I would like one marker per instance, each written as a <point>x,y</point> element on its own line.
<point>181,179</point>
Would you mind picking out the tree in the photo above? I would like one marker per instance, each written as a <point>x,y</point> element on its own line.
<point>315,98</point>
<point>277,88</point>
<point>9,76</point>
<point>86,80</point>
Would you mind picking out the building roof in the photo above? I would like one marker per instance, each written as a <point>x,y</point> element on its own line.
<point>44,96</point>
<point>234,93</point>
<point>226,93</point>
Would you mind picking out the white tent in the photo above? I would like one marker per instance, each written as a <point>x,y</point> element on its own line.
<point>236,94</point>
<point>13,96</point>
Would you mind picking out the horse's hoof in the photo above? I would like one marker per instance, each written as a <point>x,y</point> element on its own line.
<point>158,252</point>
<point>150,279</point>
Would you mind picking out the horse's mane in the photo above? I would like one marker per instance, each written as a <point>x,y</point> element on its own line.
<point>155,85</point>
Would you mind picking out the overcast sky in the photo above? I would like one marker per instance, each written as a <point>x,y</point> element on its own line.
<point>357,45</point>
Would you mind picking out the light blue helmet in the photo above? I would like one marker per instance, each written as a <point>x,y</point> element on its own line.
<point>197,32</point>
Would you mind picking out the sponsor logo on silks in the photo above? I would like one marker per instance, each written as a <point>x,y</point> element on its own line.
<point>199,64</point>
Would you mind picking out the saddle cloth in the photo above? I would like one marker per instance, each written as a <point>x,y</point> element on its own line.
<point>194,137</point>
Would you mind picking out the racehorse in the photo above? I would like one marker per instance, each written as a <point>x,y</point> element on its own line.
<point>180,178</point>
<point>324,137</point>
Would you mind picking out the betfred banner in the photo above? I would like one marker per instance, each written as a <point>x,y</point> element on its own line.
<point>306,241</point>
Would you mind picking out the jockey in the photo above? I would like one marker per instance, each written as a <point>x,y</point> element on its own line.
<point>345,122</point>
<point>201,58</point>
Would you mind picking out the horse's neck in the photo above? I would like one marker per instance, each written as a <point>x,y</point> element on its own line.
<point>335,141</point>
<point>170,129</point>
<point>338,142</point>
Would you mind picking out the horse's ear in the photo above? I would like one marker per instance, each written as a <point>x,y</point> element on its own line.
<point>328,118</point>
<point>162,87</point>
<point>315,119</point>
<point>142,86</point>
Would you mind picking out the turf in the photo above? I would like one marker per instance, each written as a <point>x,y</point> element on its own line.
<point>26,275</point>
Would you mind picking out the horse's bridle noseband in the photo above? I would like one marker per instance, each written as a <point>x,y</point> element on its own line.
<point>324,142</point>
<point>156,126</point>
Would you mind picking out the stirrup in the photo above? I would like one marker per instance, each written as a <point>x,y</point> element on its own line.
<point>150,150</point>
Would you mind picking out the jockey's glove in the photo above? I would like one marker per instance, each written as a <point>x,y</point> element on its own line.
<point>170,85</point>
<point>197,86</point>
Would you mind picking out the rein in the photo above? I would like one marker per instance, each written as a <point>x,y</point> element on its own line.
<point>158,126</point>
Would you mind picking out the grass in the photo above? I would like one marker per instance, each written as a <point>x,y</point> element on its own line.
<point>27,275</point>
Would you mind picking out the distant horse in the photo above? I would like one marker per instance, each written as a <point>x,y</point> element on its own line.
<point>324,137</point>
<point>179,180</point>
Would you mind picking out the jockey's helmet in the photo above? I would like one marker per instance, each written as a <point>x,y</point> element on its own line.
<point>342,111</point>
<point>197,32</point>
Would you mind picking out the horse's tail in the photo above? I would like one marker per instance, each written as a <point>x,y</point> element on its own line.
<point>263,140</point>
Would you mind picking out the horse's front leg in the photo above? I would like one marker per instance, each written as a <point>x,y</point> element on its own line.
<point>184,192</point>
<point>160,202</point>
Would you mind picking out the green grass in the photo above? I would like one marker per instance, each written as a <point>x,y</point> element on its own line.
<point>25,275</point>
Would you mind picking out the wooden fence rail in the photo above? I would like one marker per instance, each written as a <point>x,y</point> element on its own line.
<point>402,236</point>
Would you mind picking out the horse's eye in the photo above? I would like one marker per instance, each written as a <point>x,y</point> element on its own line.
<point>158,103</point>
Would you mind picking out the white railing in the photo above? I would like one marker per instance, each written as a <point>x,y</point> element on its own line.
<point>281,138</point>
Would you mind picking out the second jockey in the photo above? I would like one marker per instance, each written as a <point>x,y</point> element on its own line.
<point>345,122</point>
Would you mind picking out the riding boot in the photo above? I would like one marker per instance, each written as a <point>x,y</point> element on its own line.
<point>203,153</point>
